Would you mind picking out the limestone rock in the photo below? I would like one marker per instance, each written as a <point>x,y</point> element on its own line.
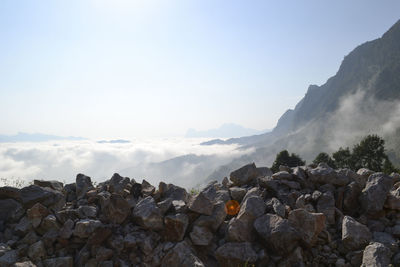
<point>236,254</point>
<point>354,234</point>
<point>201,236</point>
<point>181,255</point>
<point>84,228</point>
<point>309,225</point>
<point>244,175</point>
<point>376,255</point>
<point>373,196</point>
<point>59,262</point>
<point>175,227</point>
<point>148,215</point>
<point>83,185</point>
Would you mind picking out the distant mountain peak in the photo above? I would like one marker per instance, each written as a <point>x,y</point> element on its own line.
<point>226,130</point>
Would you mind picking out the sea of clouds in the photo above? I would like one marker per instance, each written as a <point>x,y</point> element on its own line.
<point>152,159</point>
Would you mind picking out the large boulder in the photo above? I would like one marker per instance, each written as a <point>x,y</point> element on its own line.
<point>240,228</point>
<point>236,254</point>
<point>56,185</point>
<point>324,174</point>
<point>118,184</point>
<point>50,198</point>
<point>83,185</point>
<point>181,255</point>
<point>308,224</point>
<point>175,227</point>
<point>10,192</point>
<point>36,214</point>
<point>393,198</point>
<point>84,228</point>
<point>326,205</point>
<point>37,251</point>
<point>201,236</point>
<point>373,196</point>
<point>203,202</point>
<point>147,214</point>
<point>376,255</point>
<point>355,235</point>
<point>277,233</point>
<point>244,175</point>
<point>10,210</point>
<point>116,208</point>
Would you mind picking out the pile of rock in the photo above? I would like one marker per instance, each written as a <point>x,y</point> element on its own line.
<point>303,216</point>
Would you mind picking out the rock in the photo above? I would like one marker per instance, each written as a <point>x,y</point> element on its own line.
<point>244,175</point>
<point>386,239</point>
<point>324,174</point>
<point>56,185</point>
<point>203,202</point>
<point>363,174</point>
<point>10,192</point>
<point>264,171</point>
<point>36,214</point>
<point>37,251</point>
<point>59,262</point>
<point>309,225</point>
<point>83,185</point>
<point>49,223</point>
<point>350,198</point>
<point>24,264</point>
<point>118,184</point>
<point>240,228</point>
<point>166,204</point>
<point>179,206</point>
<point>201,236</point>
<point>8,258</point>
<point>393,198</point>
<point>326,205</point>
<point>99,235</point>
<point>147,189</point>
<point>282,175</point>
<point>48,197</point>
<point>148,215</point>
<point>175,227</point>
<point>174,192</point>
<point>84,228</point>
<point>236,254</point>
<point>86,211</point>
<point>277,233</point>
<point>10,210</point>
<point>104,254</point>
<point>116,209</point>
<point>355,235</point>
<point>67,229</point>
<point>237,193</point>
<point>374,194</point>
<point>181,255</point>
<point>23,227</point>
<point>276,206</point>
<point>377,255</point>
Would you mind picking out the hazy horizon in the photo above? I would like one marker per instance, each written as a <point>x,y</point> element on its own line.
<point>133,69</point>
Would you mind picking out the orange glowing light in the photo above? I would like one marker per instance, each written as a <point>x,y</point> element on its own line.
<point>232,207</point>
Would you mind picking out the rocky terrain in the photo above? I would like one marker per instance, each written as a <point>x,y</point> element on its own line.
<point>303,216</point>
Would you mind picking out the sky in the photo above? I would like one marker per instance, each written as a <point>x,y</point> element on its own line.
<point>130,69</point>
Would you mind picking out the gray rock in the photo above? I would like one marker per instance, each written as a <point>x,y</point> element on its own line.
<point>179,206</point>
<point>376,255</point>
<point>10,210</point>
<point>350,198</point>
<point>181,255</point>
<point>84,228</point>
<point>386,239</point>
<point>83,185</point>
<point>374,194</point>
<point>326,205</point>
<point>240,228</point>
<point>148,215</point>
<point>118,184</point>
<point>37,251</point>
<point>23,227</point>
<point>237,193</point>
<point>201,236</point>
<point>174,192</point>
<point>67,229</point>
<point>116,209</point>
<point>203,202</point>
<point>175,227</point>
<point>59,262</point>
<point>275,205</point>
<point>355,235</point>
<point>324,174</point>
<point>56,185</point>
<point>147,189</point>
<point>363,176</point>
<point>393,198</point>
<point>282,175</point>
<point>165,205</point>
<point>244,175</point>
<point>277,233</point>
<point>10,192</point>
<point>236,254</point>
<point>8,258</point>
<point>309,225</point>
<point>50,198</point>
<point>264,171</point>
<point>24,264</point>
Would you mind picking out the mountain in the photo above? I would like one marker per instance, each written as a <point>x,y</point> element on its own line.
<point>227,130</point>
<point>36,137</point>
<point>362,98</point>
<point>116,141</point>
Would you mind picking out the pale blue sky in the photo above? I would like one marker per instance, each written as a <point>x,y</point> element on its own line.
<point>126,69</point>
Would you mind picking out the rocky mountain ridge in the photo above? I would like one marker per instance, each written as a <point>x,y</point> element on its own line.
<point>303,216</point>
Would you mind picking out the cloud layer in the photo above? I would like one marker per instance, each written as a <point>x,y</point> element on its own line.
<point>149,159</point>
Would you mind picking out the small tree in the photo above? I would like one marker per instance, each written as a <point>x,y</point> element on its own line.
<point>324,157</point>
<point>283,158</point>
<point>388,167</point>
<point>369,153</point>
<point>343,158</point>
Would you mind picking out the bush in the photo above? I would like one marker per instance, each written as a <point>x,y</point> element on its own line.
<point>283,158</point>
<point>324,157</point>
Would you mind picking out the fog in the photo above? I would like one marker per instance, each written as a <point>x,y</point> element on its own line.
<point>150,159</point>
